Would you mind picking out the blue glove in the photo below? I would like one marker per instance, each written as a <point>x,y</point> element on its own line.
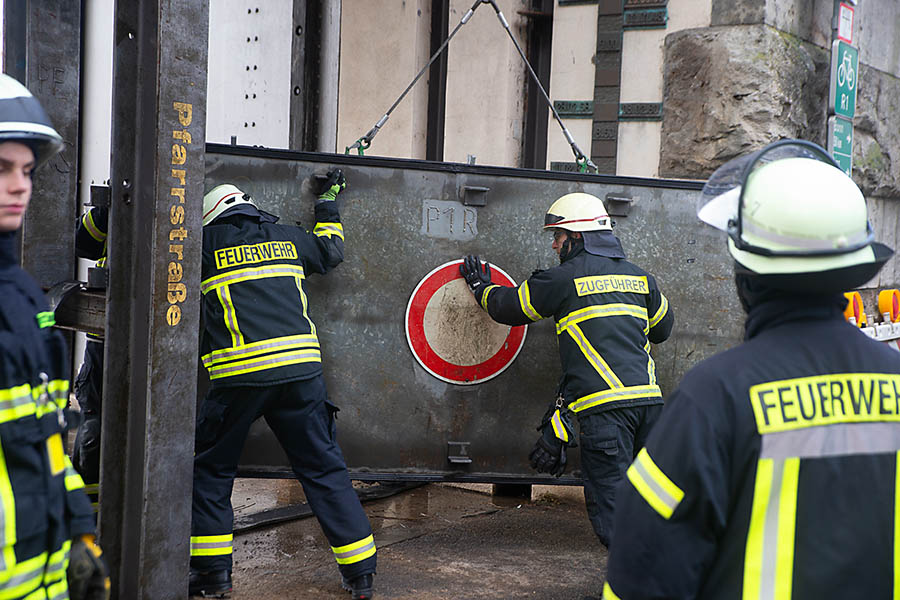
<point>476,273</point>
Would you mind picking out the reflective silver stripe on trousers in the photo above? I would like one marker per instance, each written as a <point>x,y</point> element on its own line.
<point>351,553</point>
<point>832,440</point>
<point>210,545</point>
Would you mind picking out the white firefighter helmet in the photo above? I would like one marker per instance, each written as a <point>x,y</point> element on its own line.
<point>578,211</point>
<point>221,198</point>
<point>793,216</point>
<point>22,119</point>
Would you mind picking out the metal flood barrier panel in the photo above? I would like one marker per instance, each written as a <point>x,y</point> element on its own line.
<point>403,220</point>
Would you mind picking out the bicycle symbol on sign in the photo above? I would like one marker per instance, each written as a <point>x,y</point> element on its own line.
<point>845,72</point>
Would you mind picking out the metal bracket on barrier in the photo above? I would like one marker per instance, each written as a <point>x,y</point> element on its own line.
<point>458,452</point>
<point>98,278</point>
<point>618,205</point>
<point>474,195</point>
<point>100,195</point>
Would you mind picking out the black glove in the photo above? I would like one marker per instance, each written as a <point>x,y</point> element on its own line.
<point>332,186</point>
<point>557,433</point>
<point>548,456</point>
<point>87,573</point>
<point>471,270</point>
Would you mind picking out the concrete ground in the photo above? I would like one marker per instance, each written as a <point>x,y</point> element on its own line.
<point>435,542</point>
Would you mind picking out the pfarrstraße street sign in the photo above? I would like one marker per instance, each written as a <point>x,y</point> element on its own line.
<point>840,142</point>
<point>844,79</point>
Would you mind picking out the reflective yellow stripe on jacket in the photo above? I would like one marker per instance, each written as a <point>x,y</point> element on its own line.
<point>88,221</point>
<point>24,400</point>
<point>653,485</point>
<point>262,355</point>
<point>617,391</point>
<point>328,230</point>
<point>632,392</point>
<point>238,275</point>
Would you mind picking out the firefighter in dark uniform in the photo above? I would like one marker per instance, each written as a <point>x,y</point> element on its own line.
<point>773,471</point>
<point>48,548</point>
<point>90,243</point>
<point>607,312</point>
<point>261,350</point>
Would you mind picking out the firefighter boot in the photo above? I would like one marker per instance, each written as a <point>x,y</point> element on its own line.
<point>210,584</point>
<point>360,588</point>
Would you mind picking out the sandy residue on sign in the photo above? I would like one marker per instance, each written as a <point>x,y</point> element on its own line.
<point>458,330</point>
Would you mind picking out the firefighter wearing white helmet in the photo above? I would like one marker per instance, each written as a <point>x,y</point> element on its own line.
<point>773,470</point>
<point>47,517</point>
<point>260,348</point>
<point>221,198</point>
<point>607,312</point>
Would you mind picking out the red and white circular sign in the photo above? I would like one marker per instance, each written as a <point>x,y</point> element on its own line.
<point>449,333</point>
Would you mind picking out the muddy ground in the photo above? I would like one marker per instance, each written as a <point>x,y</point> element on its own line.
<point>434,542</point>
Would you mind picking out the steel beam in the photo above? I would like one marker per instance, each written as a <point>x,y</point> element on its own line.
<point>159,118</point>
<point>43,51</point>
<point>540,45</point>
<point>437,81</point>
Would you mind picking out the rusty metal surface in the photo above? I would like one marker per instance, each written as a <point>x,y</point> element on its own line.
<point>396,419</point>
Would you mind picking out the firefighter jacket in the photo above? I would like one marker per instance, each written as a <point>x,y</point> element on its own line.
<point>607,311</point>
<point>90,241</point>
<point>91,233</point>
<point>772,472</point>
<point>257,329</point>
<point>42,500</point>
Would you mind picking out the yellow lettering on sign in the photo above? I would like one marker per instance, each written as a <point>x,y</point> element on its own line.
<point>185,112</point>
<point>179,154</point>
<point>825,400</point>
<point>254,253</point>
<point>177,291</point>
<point>604,284</point>
<point>175,272</point>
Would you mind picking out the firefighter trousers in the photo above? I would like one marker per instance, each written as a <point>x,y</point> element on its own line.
<point>89,393</point>
<point>303,422</point>
<point>610,440</point>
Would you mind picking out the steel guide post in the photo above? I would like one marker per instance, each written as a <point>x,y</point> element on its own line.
<point>152,321</point>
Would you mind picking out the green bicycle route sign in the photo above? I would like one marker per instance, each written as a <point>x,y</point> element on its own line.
<point>840,142</point>
<point>844,76</point>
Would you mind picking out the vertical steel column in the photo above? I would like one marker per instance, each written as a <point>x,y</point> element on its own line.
<point>303,82</point>
<point>159,119</point>
<point>43,51</point>
<point>437,81</point>
<point>540,48</point>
